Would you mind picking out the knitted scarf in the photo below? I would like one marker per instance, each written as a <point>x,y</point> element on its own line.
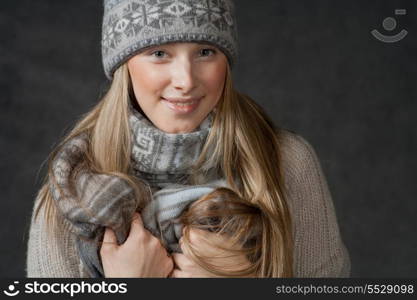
<point>89,202</point>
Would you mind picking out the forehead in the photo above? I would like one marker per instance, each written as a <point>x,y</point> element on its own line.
<point>183,45</point>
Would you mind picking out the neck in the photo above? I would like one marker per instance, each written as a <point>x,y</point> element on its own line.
<point>161,157</point>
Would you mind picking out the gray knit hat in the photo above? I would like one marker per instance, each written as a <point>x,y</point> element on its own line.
<point>131,25</point>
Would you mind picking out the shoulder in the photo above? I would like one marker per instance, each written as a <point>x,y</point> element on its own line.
<point>300,165</point>
<point>296,152</point>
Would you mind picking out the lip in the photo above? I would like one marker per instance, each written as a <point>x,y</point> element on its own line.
<point>181,100</point>
<point>183,109</point>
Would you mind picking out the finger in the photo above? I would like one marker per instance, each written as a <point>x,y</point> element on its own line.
<point>197,236</point>
<point>137,218</point>
<point>109,238</point>
<point>170,266</point>
<point>136,225</point>
<point>183,249</point>
<point>176,273</point>
<point>180,260</point>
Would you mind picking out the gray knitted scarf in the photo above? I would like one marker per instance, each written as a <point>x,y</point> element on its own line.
<point>89,202</point>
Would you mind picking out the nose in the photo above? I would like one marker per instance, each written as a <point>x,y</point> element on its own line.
<point>183,78</point>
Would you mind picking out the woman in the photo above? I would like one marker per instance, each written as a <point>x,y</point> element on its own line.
<point>172,116</point>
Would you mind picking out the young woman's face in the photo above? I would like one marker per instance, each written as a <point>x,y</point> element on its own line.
<point>178,84</point>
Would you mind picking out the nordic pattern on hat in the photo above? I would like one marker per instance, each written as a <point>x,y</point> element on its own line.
<point>131,25</point>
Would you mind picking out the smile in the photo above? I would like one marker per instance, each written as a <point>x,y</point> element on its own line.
<point>182,106</point>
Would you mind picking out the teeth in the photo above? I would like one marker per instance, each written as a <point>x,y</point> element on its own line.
<point>184,103</point>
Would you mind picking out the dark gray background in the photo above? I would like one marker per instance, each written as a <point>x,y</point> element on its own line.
<point>313,65</point>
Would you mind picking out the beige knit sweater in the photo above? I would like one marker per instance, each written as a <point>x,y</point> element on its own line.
<point>318,250</point>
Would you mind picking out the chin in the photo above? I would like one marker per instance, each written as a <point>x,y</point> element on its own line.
<point>174,127</point>
<point>180,130</point>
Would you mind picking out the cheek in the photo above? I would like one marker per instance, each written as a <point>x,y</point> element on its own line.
<point>214,80</point>
<point>146,80</point>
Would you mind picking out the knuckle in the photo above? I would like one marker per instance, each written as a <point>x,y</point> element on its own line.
<point>136,222</point>
<point>155,243</point>
<point>105,250</point>
<point>140,236</point>
<point>188,264</point>
<point>174,273</point>
<point>169,266</point>
<point>194,236</point>
<point>147,237</point>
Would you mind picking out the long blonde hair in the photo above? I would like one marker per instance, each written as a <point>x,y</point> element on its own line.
<point>241,229</point>
<point>243,144</point>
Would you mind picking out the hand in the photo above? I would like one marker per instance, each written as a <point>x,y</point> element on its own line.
<point>141,255</point>
<point>186,267</point>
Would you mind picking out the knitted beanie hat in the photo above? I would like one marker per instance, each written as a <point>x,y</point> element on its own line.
<point>131,25</point>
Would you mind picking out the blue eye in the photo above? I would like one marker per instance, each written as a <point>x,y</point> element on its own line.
<point>205,51</point>
<point>158,51</point>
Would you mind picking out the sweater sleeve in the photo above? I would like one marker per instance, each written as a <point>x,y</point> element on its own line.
<point>319,250</point>
<point>53,256</point>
